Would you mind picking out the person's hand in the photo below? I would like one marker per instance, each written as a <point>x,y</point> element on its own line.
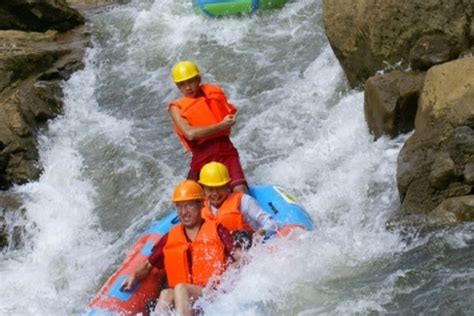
<point>240,258</point>
<point>128,283</point>
<point>258,236</point>
<point>229,120</point>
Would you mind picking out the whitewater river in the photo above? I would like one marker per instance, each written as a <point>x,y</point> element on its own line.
<point>111,161</point>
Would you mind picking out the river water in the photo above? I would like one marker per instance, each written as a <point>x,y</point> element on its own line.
<point>111,161</point>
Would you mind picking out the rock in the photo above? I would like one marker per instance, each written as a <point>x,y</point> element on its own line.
<point>432,50</point>
<point>21,169</point>
<point>11,230</point>
<point>391,102</point>
<point>464,138</point>
<point>447,96</point>
<point>24,54</point>
<point>32,66</point>
<point>38,15</point>
<point>442,171</point>
<point>468,173</point>
<point>453,211</point>
<point>367,36</point>
<point>93,5</point>
<point>450,212</point>
<point>432,163</point>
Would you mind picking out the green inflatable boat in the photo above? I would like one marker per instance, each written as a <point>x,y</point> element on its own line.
<point>216,8</point>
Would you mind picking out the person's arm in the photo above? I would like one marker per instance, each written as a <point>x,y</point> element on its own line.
<point>196,132</point>
<point>230,249</point>
<point>156,259</point>
<point>233,251</point>
<point>140,272</point>
<point>254,213</point>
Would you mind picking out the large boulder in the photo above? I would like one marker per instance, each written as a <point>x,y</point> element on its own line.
<point>369,35</point>
<point>38,15</point>
<point>436,163</point>
<point>32,66</point>
<point>391,102</point>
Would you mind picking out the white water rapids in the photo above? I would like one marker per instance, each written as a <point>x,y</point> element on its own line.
<point>112,160</point>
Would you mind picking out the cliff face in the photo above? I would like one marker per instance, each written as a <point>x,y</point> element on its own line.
<point>437,161</point>
<point>32,65</point>
<point>38,15</point>
<point>370,35</point>
<point>413,59</point>
<point>42,44</point>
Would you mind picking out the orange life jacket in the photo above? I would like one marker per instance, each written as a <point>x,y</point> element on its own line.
<point>228,214</point>
<point>209,109</point>
<point>207,252</point>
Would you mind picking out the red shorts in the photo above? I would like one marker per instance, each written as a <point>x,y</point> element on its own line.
<point>220,150</point>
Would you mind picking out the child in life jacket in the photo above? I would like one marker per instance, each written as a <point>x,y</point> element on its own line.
<point>203,119</point>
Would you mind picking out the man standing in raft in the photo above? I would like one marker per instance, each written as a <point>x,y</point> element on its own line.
<point>193,253</point>
<point>236,211</point>
<point>202,119</point>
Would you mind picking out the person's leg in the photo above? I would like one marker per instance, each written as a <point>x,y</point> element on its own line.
<point>240,188</point>
<point>238,182</point>
<point>193,175</point>
<point>165,302</point>
<point>184,294</point>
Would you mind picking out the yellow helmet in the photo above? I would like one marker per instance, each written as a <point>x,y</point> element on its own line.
<point>214,174</point>
<point>183,71</point>
<point>188,190</point>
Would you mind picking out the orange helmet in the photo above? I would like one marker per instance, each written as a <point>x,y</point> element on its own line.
<point>188,190</point>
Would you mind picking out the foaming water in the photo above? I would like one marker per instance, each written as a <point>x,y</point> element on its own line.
<point>112,160</point>
<point>60,260</point>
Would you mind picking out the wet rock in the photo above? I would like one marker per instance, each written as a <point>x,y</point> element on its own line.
<point>432,50</point>
<point>93,5</point>
<point>23,54</point>
<point>442,171</point>
<point>464,137</point>
<point>457,189</point>
<point>468,173</point>
<point>38,15</point>
<point>391,102</point>
<point>453,211</point>
<point>450,212</point>
<point>432,163</point>
<point>32,66</point>
<point>11,230</point>
<point>21,169</point>
<point>369,36</point>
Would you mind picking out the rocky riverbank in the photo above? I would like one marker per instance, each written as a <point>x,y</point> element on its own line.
<point>415,62</point>
<point>42,42</point>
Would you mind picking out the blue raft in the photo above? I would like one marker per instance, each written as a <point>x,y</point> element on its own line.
<point>112,301</point>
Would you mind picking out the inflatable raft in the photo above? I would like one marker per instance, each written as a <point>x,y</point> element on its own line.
<point>216,8</point>
<point>111,300</point>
